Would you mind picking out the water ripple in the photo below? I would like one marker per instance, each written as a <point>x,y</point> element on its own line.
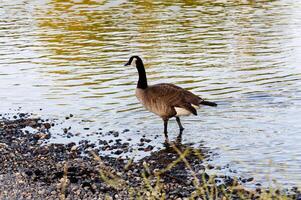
<point>68,57</point>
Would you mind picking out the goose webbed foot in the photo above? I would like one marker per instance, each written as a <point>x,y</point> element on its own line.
<point>166,143</point>
<point>166,135</point>
<point>176,143</point>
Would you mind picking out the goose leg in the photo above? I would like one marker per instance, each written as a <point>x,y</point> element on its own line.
<point>179,123</point>
<point>165,127</point>
<point>179,138</point>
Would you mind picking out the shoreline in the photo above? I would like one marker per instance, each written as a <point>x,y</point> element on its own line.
<point>30,168</point>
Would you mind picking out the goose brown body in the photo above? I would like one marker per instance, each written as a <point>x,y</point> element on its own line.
<point>165,99</point>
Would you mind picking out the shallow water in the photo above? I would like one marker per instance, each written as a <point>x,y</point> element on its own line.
<point>67,57</point>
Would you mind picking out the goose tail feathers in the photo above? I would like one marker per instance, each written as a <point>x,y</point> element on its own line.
<point>208,103</point>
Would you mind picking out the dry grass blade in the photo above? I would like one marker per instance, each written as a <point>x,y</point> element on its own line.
<point>108,174</point>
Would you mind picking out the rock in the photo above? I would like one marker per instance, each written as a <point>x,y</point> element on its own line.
<point>3,145</point>
<point>250,179</point>
<point>209,166</point>
<point>148,148</point>
<point>118,152</point>
<point>47,125</point>
<point>41,136</point>
<point>115,134</point>
<point>41,192</point>
<point>74,148</point>
<point>147,140</point>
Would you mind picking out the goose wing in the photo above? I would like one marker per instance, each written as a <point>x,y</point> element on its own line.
<point>173,96</point>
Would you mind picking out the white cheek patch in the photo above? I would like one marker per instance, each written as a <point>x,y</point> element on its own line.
<point>133,63</point>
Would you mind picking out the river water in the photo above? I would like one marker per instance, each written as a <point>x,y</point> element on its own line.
<point>68,56</point>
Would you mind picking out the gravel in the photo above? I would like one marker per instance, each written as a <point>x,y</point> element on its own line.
<point>32,169</point>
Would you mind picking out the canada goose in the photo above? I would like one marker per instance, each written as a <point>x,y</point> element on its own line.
<point>164,99</point>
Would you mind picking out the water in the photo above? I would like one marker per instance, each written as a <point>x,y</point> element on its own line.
<point>67,57</point>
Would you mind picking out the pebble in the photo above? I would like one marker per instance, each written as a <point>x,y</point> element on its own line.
<point>148,148</point>
<point>74,148</point>
<point>209,166</point>
<point>115,134</point>
<point>118,152</point>
<point>250,179</point>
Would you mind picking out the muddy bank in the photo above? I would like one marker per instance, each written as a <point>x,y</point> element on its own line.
<point>32,169</point>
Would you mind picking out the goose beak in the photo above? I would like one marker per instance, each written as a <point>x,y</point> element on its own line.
<point>127,64</point>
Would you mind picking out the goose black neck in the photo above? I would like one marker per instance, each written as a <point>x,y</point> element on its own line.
<point>142,82</point>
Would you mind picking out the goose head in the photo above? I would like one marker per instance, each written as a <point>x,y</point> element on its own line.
<point>135,61</point>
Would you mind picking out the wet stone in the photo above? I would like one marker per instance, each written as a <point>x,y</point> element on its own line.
<point>118,140</point>
<point>125,130</point>
<point>250,179</point>
<point>149,148</point>
<point>115,134</point>
<point>118,152</point>
<point>147,140</point>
